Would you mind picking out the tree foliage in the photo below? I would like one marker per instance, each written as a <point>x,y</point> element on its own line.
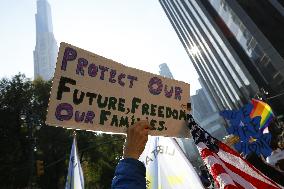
<point>99,153</point>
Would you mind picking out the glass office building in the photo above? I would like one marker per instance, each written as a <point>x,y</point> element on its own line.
<point>232,47</point>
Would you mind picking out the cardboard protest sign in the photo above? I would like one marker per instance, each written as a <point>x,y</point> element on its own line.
<point>91,92</point>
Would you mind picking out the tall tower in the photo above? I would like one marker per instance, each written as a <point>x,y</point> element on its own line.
<point>235,46</point>
<point>165,71</point>
<point>45,53</point>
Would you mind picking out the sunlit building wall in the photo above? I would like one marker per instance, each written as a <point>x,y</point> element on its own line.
<point>255,30</point>
<point>219,67</point>
<point>236,46</point>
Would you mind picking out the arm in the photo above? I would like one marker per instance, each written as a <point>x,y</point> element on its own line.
<point>130,172</point>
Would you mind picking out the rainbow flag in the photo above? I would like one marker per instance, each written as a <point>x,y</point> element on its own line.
<point>264,111</point>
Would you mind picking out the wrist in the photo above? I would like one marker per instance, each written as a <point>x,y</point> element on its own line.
<point>127,154</point>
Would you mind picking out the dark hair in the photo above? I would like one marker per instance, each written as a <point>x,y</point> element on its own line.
<point>280,164</point>
<point>277,134</point>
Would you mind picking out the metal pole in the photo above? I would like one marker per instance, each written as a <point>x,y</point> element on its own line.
<point>31,139</point>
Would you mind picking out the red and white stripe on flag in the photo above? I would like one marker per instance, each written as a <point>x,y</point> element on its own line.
<point>231,171</point>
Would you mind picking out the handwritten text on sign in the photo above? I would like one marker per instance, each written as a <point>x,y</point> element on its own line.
<point>94,93</point>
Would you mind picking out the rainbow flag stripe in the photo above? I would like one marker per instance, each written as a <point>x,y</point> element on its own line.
<point>264,111</point>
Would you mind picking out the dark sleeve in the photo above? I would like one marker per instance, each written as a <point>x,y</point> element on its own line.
<point>129,174</point>
<point>268,170</point>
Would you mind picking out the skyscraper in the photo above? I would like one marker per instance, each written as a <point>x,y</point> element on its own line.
<point>236,47</point>
<point>45,53</point>
<point>165,71</point>
<point>206,114</point>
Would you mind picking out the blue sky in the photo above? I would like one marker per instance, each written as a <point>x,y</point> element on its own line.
<point>136,33</point>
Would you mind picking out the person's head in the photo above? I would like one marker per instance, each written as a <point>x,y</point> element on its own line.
<point>202,167</point>
<point>277,132</point>
<point>281,142</point>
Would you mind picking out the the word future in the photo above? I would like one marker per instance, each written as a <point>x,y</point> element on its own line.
<point>107,105</point>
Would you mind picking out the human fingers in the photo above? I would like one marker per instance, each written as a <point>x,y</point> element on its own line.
<point>143,124</point>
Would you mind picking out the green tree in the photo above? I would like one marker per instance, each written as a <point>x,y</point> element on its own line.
<point>15,94</point>
<point>99,153</point>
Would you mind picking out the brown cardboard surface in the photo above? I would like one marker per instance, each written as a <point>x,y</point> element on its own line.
<point>105,100</point>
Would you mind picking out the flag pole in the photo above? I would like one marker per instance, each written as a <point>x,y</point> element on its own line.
<point>75,178</point>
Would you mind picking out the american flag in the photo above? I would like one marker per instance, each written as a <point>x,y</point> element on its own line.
<point>228,168</point>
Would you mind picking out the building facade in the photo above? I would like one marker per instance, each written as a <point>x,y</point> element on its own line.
<point>205,113</point>
<point>45,53</point>
<point>236,46</point>
<point>165,71</point>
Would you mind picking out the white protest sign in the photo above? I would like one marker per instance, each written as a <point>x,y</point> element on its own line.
<point>167,166</point>
<point>91,92</point>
